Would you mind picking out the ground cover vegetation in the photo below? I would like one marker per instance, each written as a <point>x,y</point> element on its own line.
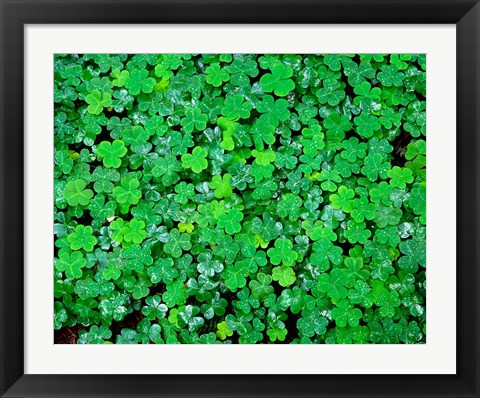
<point>237,198</point>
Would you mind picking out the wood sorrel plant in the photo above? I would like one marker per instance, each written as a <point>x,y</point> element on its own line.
<point>223,198</point>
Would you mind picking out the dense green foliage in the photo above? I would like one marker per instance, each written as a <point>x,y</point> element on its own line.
<point>240,198</point>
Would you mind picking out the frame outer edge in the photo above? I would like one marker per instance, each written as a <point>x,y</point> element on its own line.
<point>468,199</point>
<point>243,11</point>
<point>11,197</point>
<point>3,324</point>
<point>11,208</point>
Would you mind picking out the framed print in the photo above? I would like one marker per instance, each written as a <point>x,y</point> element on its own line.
<point>236,198</point>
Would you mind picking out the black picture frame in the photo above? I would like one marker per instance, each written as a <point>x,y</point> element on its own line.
<point>16,13</point>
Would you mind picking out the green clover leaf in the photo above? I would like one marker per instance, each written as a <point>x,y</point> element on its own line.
<point>329,179</point>
<point>217,75</point>
<point>261,287</point>
<point>135,137</point>
<point>345,313</point>
<point>290,206</point>
<point>194,120</point>
<point>111,153</point>
<point>138,81</point>
<point>343,199</point>
<point>387,301</point>
<point>361,294</point>
<point>284,275</point>
<point>134,231</point>
<point>154,308</point>
<point>273,111</point>
<point>325,253</point>
<point>336,126</point>
<point>176,243</point>
<point>262,134</point>
<point>97,101</point>
<point>353,150</point>
<point>184,193</point>
<point>400,177</point>
<point>71,263</point>
<point>414,254</point>
<point>207,265</point>
<point>366,95</point>
<point>334,284</point>
<point>167,169</point>
<point>367,125</point>
<point>331,94</point>
<point>357,232</point>
<point>76,194</point>
<point>278,80</point>
<point>82,238</point>
<point>236,107</point>
<point>312,323</point>
<point>120,77</point>
<point>113,307</point>
<point>375,166</point>
<point>231,221</point>
<point>283,253</point>
<point>363,209</point>
<point>128,192</point>
<point>221,185</point>
<point>196,160</point>
<point>223,331</point>
<point>96,335</point>
<point>111,272</point>
<point>263,158</point>
<point>236,276</point>
<point>387,216</point>
<point>176,294</point>
<point>390,76</point>
<point>162,271</point>
<point>277,334</point>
